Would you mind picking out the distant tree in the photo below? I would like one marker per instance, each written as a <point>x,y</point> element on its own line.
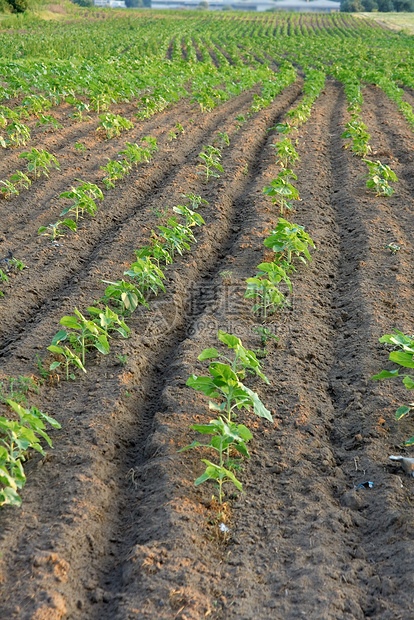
<point>203,5</point>
<point>369,5</point>
<point>404,5</point>
<point>84,3</point>
<point>352,6</point>
<point>385,6</point>
<point>19,6</point>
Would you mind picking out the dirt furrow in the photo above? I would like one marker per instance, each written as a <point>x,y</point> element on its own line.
<point>59,270</point>
<point>321,546</point>
<point>110,440</point>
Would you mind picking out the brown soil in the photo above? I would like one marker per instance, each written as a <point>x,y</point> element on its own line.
<point>111,526</point>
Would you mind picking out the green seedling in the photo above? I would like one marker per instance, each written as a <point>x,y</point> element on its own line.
<point>356,131</point>
<point>109,321</point>
<point>225,436</point>
<point>124,294</point>
<point>47,122</point>
<point>81,108</point>
<point>101,102</point>
<point>173,134</point>
<point>20,180</point>
<point>84,198</point>
<point>264,333</point>
<point>17,389</point>
<point>194,201</point>
<point>223,140</point>
<point>53,230</point>
<point>43,372</point>
<point>404,357</point>
<point>122,359</point>
<point>210,158</point>
<point>281,190</point>
<point>191,217</point>
<point>156,251</point>
<point>85,334</point>
<point>80,147</point>
<point>378,176</point>
<point>70,358</point>
<point>8,190</point>
<point>113,124</point>
<point>16,439</point>
<point>115,170</point>
<point>224,385</point>
<point>392,247</point>
<point>289,240</point>
<point>176,237</point>
<point>136,154</point>
<point>267,295</point>
<point>40,162</point>
<point>147,276</point>
<point>35,104</point>
<point>227,276</point>
<point>18,133</point>
<point>244,360</point>
<point>3,278</point>
<point>285,153</point>
<point>283,128</point>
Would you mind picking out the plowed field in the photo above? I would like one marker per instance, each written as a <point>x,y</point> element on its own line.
<point>111,525</point>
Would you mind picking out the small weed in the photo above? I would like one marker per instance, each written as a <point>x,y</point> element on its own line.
<point>122,359</point>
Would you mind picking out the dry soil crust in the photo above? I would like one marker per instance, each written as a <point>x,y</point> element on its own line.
<point>111,525</point>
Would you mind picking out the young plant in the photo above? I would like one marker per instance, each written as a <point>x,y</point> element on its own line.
<point>48,123</point>
<point>125,294</point>
<point>225,436</point>
<point>53,230</point>
<point>191,217</point>
<point>289,240</point>
<point>136,154</point>
<point>40,162</point>
<point>147,275</point>
<point>9,189</point>
<point>176,237</point>
<point>109,321</point>
<point>18,133</point>
<point>115,170</point>
<point>84,198</point>
<point>20,180</point>
<point>69,358</point>
<point>285,153</point>
<point>223,140</point>
<point>210,158</point>
<point>264,333</point>
<point>378,176</point>
<point>356,131</point>
<point>404,357</point>
<point>3,278</point>
<point>80,147</point>
<point>17,389</point>
<point>244,360</point>
<point>224,385</point>
<point>281,190</point>
<point>173,133</point>
<point>113,124</point>
<point>266,294</point>
<point>17,438</point>
<point>84,335</point>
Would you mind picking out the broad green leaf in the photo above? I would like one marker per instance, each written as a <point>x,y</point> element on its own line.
<point>403,359</point>
<point>70,321</point>
<point>208,354</point>
<point>408,382</point>
<point>402,411</point>
<point>59,337</point>
<point>386,374</point>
